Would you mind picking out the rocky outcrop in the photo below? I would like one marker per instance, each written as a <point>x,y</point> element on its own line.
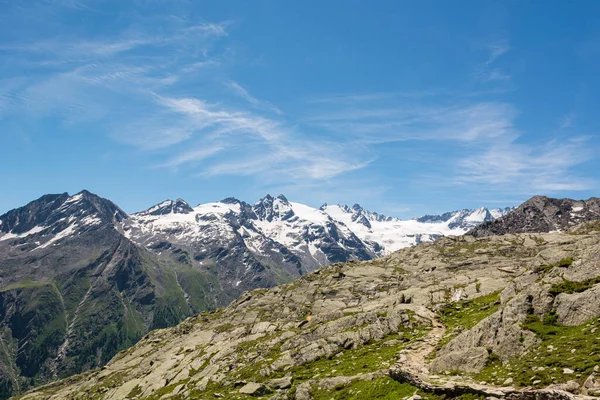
<point>577,308</point>
<point>541,214</point>
<point>468,360</point>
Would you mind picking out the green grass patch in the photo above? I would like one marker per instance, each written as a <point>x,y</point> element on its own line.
<point>464,315</point>
<point>367,358</point>
<point>570,287</point>
<point>383,388</point>
<point>564,263</point>
<point>573,347</point>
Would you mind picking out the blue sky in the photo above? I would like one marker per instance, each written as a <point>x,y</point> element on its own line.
<point>404,107</point>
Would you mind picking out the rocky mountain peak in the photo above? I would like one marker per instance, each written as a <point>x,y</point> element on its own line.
<point>24,218</point>
<point>465,219</point>
<point>58,211</point>
<point>178,206</point>
<point>230,200</point>
<point>541,214</point>
<point>269,208</point>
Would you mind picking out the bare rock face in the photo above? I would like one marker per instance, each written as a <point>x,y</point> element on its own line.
<point>577,308</point>
<point>473,359</point>
<point>255,389</point>
<point>541,214</point>
<point>501,333</point>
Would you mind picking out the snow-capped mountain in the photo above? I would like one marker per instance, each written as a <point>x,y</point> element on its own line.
<point>52,218</point>
<point>271,234</point>
<point>466,219</point>
<point>102,278</point>
<point>390,234</point>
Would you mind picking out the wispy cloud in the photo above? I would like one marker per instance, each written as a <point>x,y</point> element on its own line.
<point>496,50</point>
<point>238,90</point>
<point>487,147</point>
<point>193,156</point>
<point>488,71</point>
<point>544,168</point>
<point>163,88</point>
<point>567,120</point>
<point>256,144</point>
<point>419,121</point>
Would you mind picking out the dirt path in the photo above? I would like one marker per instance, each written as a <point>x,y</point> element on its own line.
<point>414,357</point>
<point>412,367</point>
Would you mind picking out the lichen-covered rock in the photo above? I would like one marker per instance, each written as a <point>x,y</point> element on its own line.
<point>576,308</point>
<point>281,383</point>
<point>468,360</point>
<point>255,389</point>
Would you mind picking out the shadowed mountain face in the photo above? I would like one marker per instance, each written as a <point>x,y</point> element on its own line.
<point>541,214</point>
<point>74,290</point>
<point>80,279</point>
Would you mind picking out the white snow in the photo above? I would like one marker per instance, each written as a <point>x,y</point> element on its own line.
<point>63,234</point>
<point>72,200</point>
<point>308,213</point>
<point>209,222</point>
<point>217,208</point>
<point>90,221</point>
<point>477,215</point>
<point>32,231</point>
<point>394,234</point>
<point>159,206</point>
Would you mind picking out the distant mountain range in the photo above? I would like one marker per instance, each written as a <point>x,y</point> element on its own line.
<point>80,279</point>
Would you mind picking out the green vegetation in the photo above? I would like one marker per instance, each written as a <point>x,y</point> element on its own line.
<point>197,285</point>
<point>564,263</point>
<point>570,287</point>
<point>39,325</point>
<point>383,388</point>
<point>106,325</point>
<point>26,284</point>
<point>368,358</point>
<point>464,315</point>
<point>573,347</point>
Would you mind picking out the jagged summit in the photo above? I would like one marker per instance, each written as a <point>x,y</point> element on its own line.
<point>231,200</point>
<point>270,208</point>
<point>55,216</point>
<point>465,218</point>
<point>541,214</point>
<point>178,206</point>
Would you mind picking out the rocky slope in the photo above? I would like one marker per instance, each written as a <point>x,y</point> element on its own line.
<point>513,316</point>
<point>541,214</point>
<point>81,279</point>
<point>74,291</point>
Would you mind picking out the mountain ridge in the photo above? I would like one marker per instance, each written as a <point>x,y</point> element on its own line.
<point>541,214</point>
<point>110,277</point>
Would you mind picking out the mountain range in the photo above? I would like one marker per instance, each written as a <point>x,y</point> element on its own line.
<point>80,279</point>
<point>512,317</point>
